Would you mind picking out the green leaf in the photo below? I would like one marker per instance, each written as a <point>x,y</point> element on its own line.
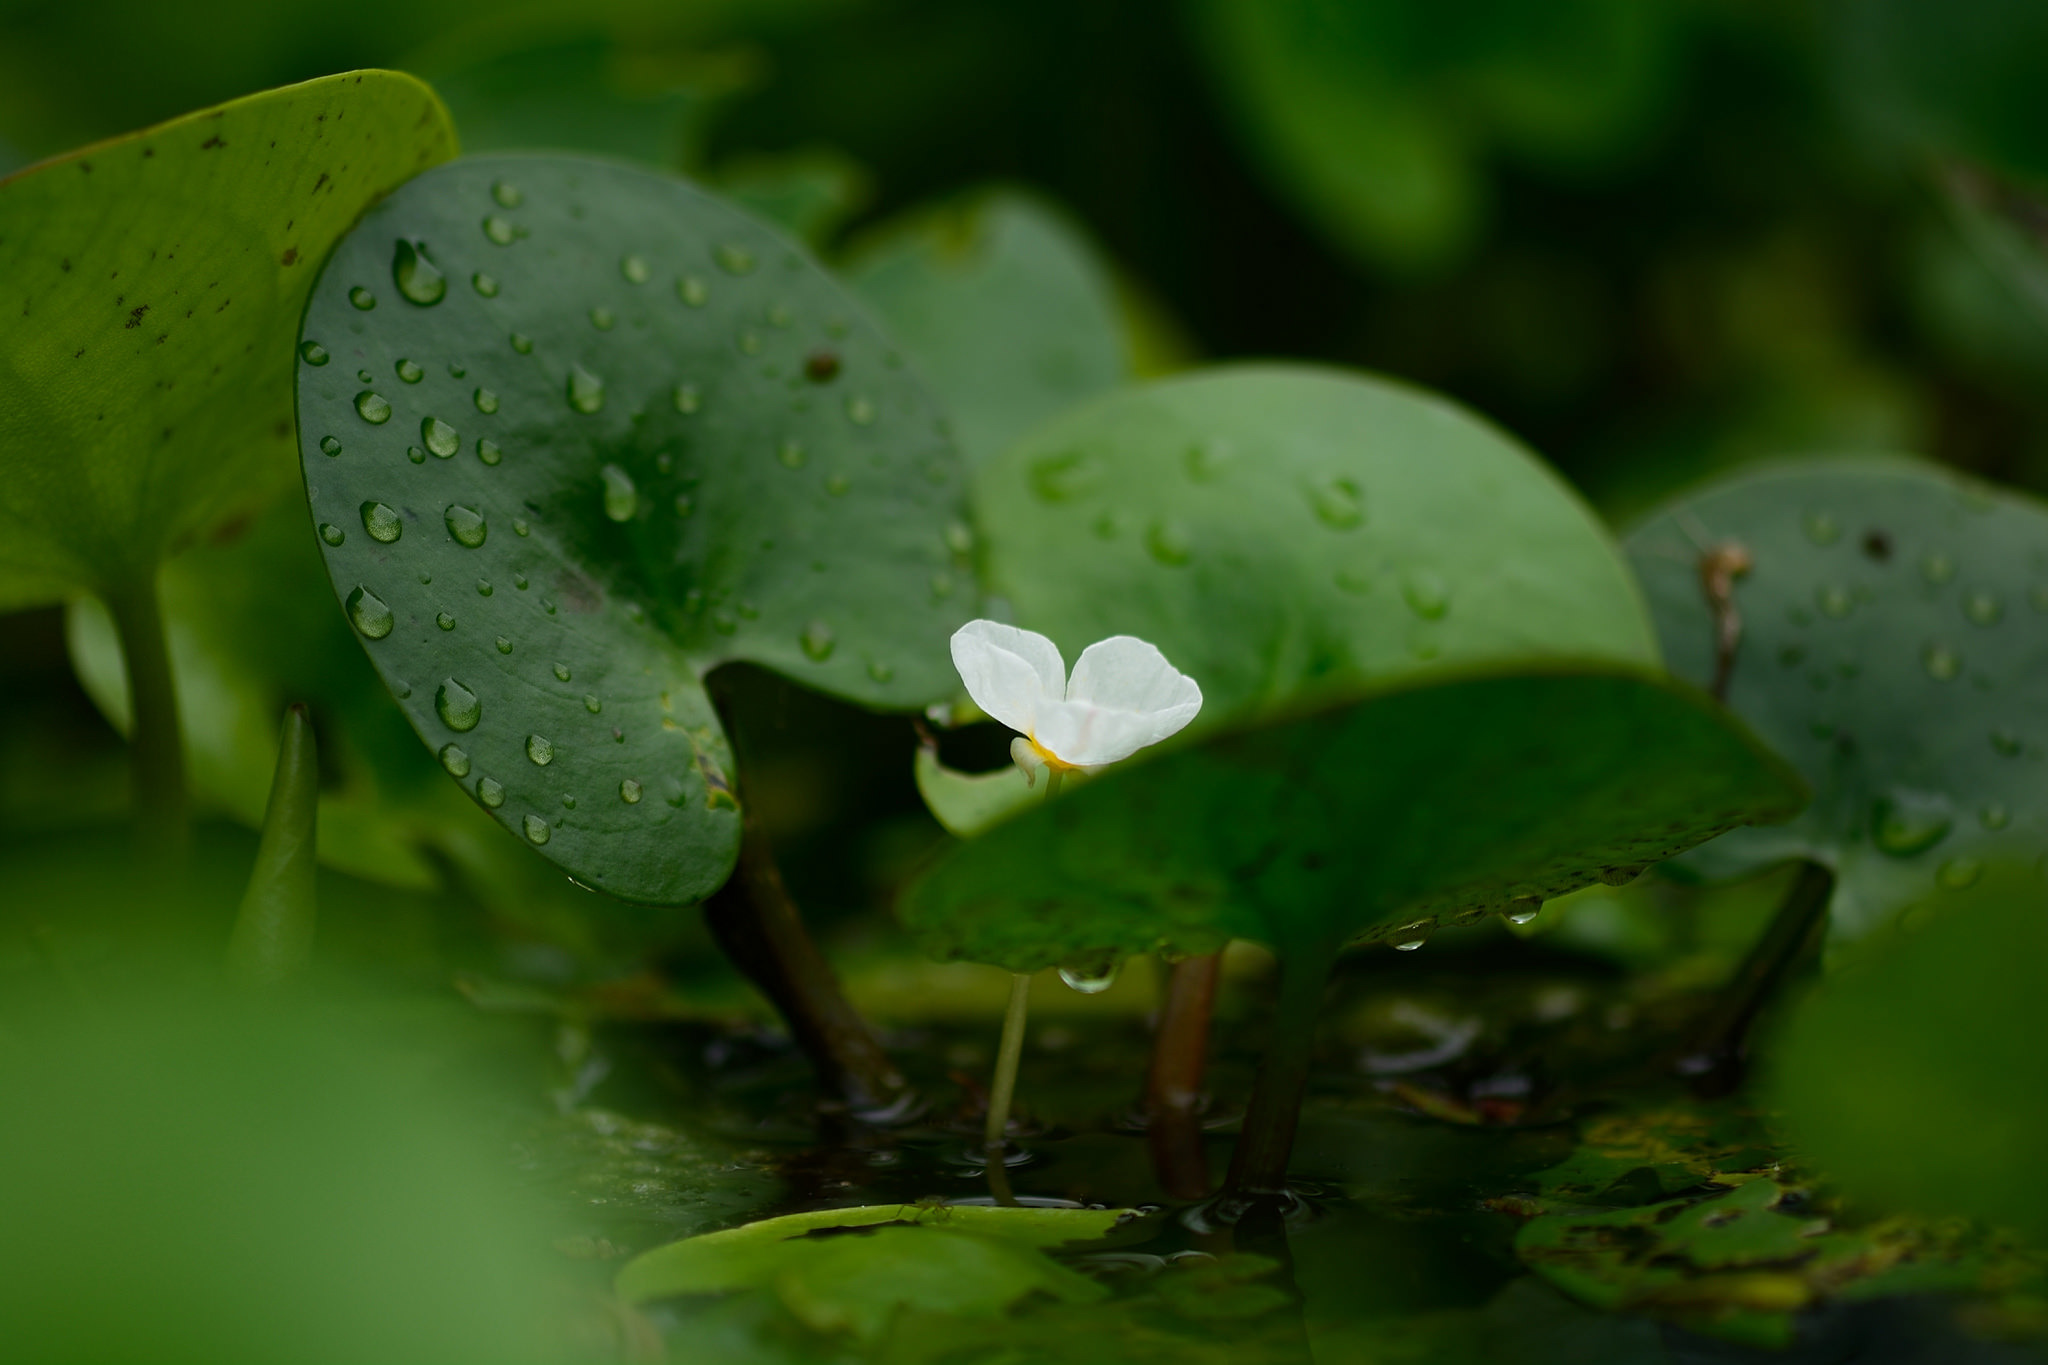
<point>968,803</point>
<point>251,630</point>
<point>1373,820</point>
<point>1889,651</point>
<point>1004,305</point>
<point>809,194</point>
<point>1915,1075</point>
<point>1283,532</point>
<point>853,1269</point>
<point>614,434</point>
<point>154,284</point>
<point>273,934</point>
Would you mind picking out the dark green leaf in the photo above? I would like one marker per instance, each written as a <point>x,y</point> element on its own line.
<point>1889,650</point>
<point>1373,820</point>
<point>154,283</point>
<point>631,435</point>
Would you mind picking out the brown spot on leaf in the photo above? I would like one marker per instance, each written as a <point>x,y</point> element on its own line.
<point>211,143</point>
<point>321,181</point>
<point>135,316</point>
<point>290,257</point>
<point>821,366</point>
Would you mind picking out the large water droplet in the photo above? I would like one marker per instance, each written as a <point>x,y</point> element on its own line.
<point>455,759</point>
<point>1522,909</point>
<point>1941,661</point>
<point>487,450</point>
<point>1338,504</point>
<point>629,792</point>
<point>536,829</point>
<point>1426,593</point>
<point>1167,542</point>
<point>817,642</point>
<point>313,353</point>
<point>634,269</point>
<point>1064,477</point>
<point>540,750</point>
<point>621,499</point>
<point>381,522</point>
<point>734,259</point>
<point>440,437</point>
<point>331,533</point>
<point>1983,607</point>
<point>466,524</point>
<point>561,671</point>
<point>416,275</point>
<point>362,298</point>
<point>410,371</point>
<point>1821,528</point>
<point>1409,937</point>
<point>499,229</point>
<point>457,706</point>
<point>486,401</point>
<point>586,390</point>
<point>491,792</point>
<point>1958,874</point>
<point>369,614</point>
<point>1092,973</point>
<point>373,407</point>
<point>444,620</point>
<point>1906,822</point>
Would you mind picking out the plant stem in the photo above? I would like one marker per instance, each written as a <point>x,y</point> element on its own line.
<point>1173,1085</point>
<point>156,748</point>
<point>273,935</point>
<point>1004,1088</point>
<point>758,926</point>
<point>1258,1168</point>
<point>1716,1056</point>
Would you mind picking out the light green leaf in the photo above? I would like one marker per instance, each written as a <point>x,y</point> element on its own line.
<point>852,1269</point>
<point>968,803</point>
<point>1889,650</point>
<point>1003,304</point>
<point>574,435</point>
<point>154,283</point>
<point>1374,820</point>
<point>1285,532</point>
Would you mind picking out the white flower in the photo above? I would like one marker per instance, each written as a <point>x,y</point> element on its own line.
<point>1123,696</point>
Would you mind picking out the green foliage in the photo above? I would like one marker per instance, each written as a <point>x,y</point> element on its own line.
<point>1287,532</point>
<point>613,434</point>
<point>1948,1011</point>
<point>273,933</point>
<point>852,1270</point>
<point>1888,651</point>
<point>1003,304</point>
<point>155,284</point>
<point>1375,119</point>
<point>1364,821</point>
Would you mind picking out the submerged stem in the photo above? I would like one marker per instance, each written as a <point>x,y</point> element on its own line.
<point>1173,1084</point>
<point>1258,1168</point>
<point>156,748</point>
<point>1716,1055</point>
<point>273,934</point>
<point>1004,1087</point>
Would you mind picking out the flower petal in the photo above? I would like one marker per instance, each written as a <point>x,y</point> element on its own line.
<point>1090,736</point>
<point>1010,673</point>
<point>1125,673</point>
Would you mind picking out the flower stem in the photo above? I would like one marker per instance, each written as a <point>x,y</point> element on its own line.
<point>1004,1088</point>
<point>157,750</point>
<point>1258,1168</point>
<point>273,935</point>
<point>1173,1084</point>
<point>1716,1055</point>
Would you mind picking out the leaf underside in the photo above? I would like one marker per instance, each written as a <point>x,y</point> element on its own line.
<point>629,435</point>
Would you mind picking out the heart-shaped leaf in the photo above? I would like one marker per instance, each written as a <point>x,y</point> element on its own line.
<point>1004,306</point>
<point>154,283</point>
<point>574,435</point>
<point>1282,531</point>
<point>1378,819</point>
<point>1889,650</point>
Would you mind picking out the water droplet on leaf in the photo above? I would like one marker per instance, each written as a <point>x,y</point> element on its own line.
<point>440,437</point>
<point>1426,593</point>
<point>540,750</point>
<point>504,645</point>
<point>621,499</point>
<point>1167,542</point>
<point>1821,528</point>
<point>561,671</point>
<point>1959,874</point>
<point>791,454</point>
<point>629,792</point>
<point>368,613</point>
<point>734,259</point>
<point>817,642</point>
<point>455,759</point>
<point>692,291</point>
<point>362,298</point>
<point>1091,974</point>
<point>330,446</point>
<point>381,522</point>
<point>1983,607</point>
<point>491,792</point>
<point>331,533</point>
<point>687,399</point>
<point>486,401</point>
<point>1942,662</point>
<point>634,270</point>
<point>499,229</point>
<point>416,275</point>
<point>457,706</point>
<point>487,450</point>
<point>313,353</point>
<point>410,371</point>
<point>536,829</point>
<point>1904,823</point>
<point>444,621</point>
<point>466,524</point>
<point>1937,567</point>
<point>859,410</point>
<point>373,407</point>
<point>1338,504</point>
<point>586,390</point>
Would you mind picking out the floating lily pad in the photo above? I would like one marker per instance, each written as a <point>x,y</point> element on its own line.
<point>573,436</point>
<point>1891,650</point>
<point>1915,1078</point>
<point>154,283</point>
<point>1372,820</point>
<point>1004,306</point>
<point>853,1269</point>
